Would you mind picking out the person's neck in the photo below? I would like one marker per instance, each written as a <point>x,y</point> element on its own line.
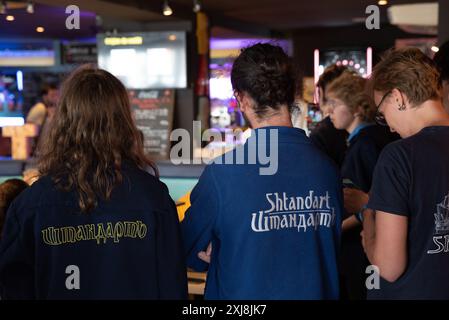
<point>357,121</point>
<point>430,113</point>
<point>279,118</point>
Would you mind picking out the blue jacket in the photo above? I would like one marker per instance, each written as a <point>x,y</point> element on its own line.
<point>127,248</point>
<point>273,236</point>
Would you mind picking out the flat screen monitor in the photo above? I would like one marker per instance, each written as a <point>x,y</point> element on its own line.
<point>147,60</point>
<point>11,99</point>
<point>23,54</point>
<point>357,59</point>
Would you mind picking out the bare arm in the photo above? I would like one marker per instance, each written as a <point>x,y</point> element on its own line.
<point>384,239</point>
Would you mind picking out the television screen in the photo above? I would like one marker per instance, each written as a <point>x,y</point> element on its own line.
<point>145,60</point>
<point>11,99</point>
<point>34,54</point>
<point>357,59</point>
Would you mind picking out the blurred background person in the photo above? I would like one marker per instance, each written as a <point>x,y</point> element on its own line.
<point>352,110</point>
<point>42,113</point>
<point>9,190</point>
<point>325,136</point>
<point>46,107</point>
<point>441,59</point>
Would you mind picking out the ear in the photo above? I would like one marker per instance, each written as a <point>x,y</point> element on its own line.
<point>400,99</point>
<point>321,96</point>
<point>244,102</point>
<point>360,113</point>
<point>238,97</point>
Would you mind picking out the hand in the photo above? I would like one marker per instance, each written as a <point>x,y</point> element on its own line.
<point>354,199</point>
<point>205,255</point>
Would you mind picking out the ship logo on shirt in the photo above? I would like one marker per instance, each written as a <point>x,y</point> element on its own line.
<point>442,217</point>
<point>302,213</point>
<point>441,237</point>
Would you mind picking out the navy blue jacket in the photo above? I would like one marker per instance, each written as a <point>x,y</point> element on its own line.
<point>273,236</point>
<point>126,248</point>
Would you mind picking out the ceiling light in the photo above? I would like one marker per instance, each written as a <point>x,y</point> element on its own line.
<point>166,10</point>
<point>9,18</point>
<point>417,14</point>
<point>382,2</point>
<point>435,49</point>
<point>30,7</point>
<point>40,29</point>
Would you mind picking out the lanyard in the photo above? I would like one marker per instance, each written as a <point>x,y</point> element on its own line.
<point>357,131</point>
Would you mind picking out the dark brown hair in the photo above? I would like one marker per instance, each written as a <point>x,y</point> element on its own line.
<point>350,88</point>
<point>441,59</point>
<point>48,87</point>
<point>331,73</point>
<point>410,71</point>
<point>91,135</point>
<point>267,74</point>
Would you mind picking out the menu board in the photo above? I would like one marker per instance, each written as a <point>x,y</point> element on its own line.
<point>79,53</point>
<point>153,115</point>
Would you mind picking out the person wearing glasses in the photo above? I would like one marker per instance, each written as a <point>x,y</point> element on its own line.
<point>406,226</point>
<point>352,110</point>
<point>325,136</point>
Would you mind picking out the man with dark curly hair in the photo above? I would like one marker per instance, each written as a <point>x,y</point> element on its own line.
<point>270,235</point>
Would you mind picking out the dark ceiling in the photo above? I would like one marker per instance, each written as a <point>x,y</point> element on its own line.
<point>228,17</point>
<point>51,18</point>
<point>274,14</point>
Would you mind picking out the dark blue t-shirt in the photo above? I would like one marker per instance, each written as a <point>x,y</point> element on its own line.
<point>273,236</point>
<point>362,154</point>
<point>412,179</point>
<point>127,248</point>
<point>330,140</point>
<point>364,146</point>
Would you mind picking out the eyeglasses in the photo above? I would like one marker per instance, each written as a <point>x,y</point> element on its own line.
<point>379,117</point>
<point>332,103</point>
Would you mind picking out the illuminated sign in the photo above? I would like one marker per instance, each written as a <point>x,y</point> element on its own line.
<point>123,41</point>
<point>147,60</point>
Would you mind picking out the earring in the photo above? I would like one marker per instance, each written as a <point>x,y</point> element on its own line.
<point>402,107</point>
